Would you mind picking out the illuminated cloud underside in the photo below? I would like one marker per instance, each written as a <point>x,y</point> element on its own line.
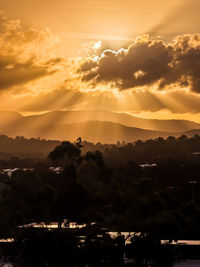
<point>148,63</point>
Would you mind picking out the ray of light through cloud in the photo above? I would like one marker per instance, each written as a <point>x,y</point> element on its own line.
<point>122,72</point>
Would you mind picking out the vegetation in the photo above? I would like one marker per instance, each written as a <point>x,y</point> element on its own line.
<point>21,147</point>
<point>114,189</point>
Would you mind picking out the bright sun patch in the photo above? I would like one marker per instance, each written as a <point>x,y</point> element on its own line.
<point>97,45</point>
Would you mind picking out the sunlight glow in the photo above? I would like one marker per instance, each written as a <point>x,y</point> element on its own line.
<point>97,45</point>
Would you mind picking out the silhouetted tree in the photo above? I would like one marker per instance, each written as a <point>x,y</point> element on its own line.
<point>65,154</point>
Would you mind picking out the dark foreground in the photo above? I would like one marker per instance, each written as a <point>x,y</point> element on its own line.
<point>156,196</point>
<point>92,246</point>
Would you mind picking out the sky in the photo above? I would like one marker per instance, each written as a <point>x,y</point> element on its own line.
<point>140,57</point>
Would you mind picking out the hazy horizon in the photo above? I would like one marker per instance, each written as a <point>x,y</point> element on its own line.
<point>144,115</point>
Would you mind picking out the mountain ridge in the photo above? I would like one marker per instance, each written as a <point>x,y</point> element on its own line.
<point>53,126</point>
<point>68,117</point>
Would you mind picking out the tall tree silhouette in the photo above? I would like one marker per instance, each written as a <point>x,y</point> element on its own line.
<point>65,154</point>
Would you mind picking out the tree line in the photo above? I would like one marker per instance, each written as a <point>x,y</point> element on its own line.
<point>120,195</point>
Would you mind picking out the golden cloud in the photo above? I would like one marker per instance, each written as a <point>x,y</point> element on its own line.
<point>24,53</point>
<point>147,63</point>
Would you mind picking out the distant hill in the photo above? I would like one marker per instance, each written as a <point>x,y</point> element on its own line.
<point>69,117</point>
<point>106,127</point>
<point>97,131</point>
<point>92,131</point>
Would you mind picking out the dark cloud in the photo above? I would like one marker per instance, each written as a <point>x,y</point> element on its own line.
<point>148,62</point>
<point>17,73</point>
<point>22,52</point>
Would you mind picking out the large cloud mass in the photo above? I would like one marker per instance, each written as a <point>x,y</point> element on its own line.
<point>22,56</point>
<point>148,62</point>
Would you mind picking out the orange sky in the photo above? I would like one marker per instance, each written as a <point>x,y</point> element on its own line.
<point>114,21</point>
<point>52,56</point>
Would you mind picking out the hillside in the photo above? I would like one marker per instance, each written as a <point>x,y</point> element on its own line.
<point>68,117</point>
<point>92,131</point>
<point>99,126</point>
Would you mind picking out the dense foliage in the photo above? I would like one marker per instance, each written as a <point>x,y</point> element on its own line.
<point>118,188</point>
